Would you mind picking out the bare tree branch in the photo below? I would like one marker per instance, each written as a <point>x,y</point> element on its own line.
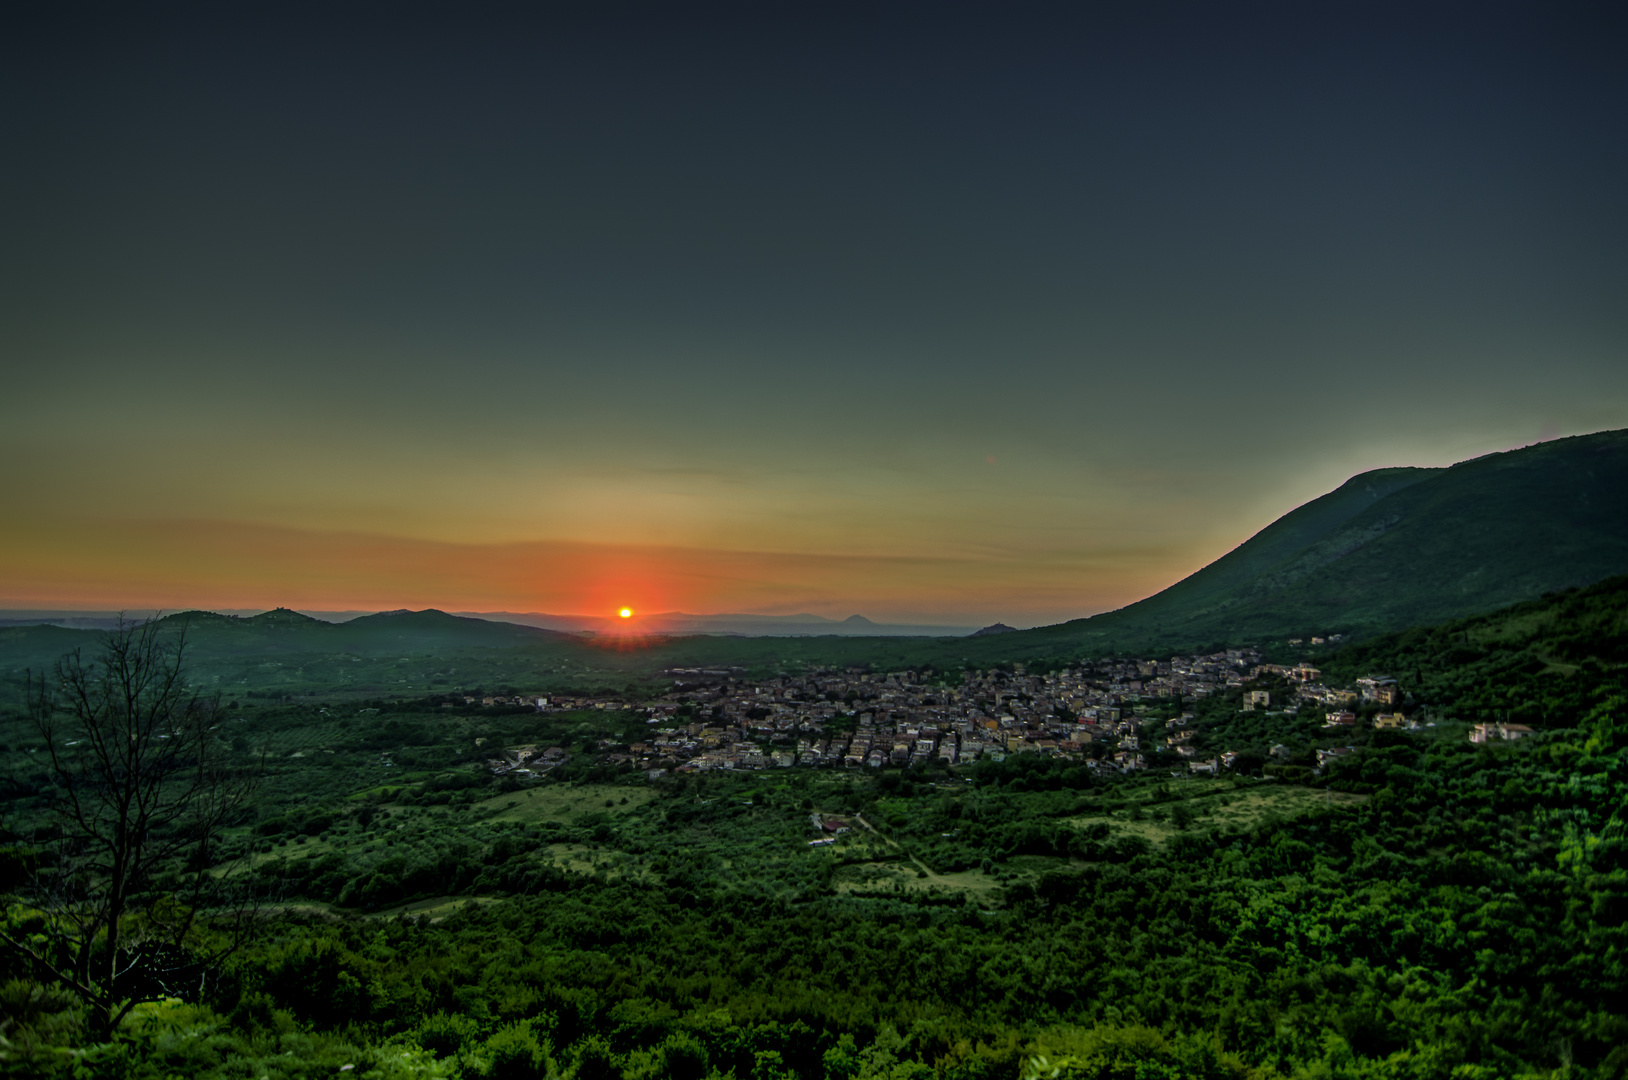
<point>142,792</point>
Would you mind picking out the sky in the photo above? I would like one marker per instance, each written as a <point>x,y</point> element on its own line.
<point>931,312</point>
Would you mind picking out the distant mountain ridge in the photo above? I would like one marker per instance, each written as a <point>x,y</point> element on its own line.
<point>674,622</point>
<point>1390,549</point>
<point>282,632</point>
<point>679,622</point>
<point>386,631</point>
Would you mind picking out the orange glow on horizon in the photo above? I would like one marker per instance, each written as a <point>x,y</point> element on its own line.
<point>177,564</point>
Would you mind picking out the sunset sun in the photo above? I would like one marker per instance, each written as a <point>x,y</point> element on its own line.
<point>626,613</point>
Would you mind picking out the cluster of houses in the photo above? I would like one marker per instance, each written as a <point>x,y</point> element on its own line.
<point>858,719</point>
<point>1105,714</point>
<point>1381,690</point>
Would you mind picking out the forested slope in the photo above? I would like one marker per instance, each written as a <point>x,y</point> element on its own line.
<point>1388,550</point>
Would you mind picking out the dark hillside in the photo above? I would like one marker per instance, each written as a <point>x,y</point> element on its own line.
<point>38,647</point>
<point>1388,550</point>
<point>1547,663</point>
<point>284,632</point>
<point>432,630</point>
<point>285,652</point>
<point>1278,544</point>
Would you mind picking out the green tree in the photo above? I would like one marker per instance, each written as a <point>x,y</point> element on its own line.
<point>515,1053</point>
<point>595,1060</point>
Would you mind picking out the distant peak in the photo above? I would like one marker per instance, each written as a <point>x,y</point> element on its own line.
<point>281,614</point>
<point>994,628</point>
<point>857,620</point>
<point>181,617</point>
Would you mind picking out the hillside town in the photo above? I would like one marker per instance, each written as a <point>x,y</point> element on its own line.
<point>1119,715</point>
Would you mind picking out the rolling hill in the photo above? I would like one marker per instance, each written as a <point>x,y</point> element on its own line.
<point>285,649</point>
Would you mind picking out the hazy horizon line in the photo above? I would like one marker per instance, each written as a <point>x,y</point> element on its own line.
<point>346,615</point>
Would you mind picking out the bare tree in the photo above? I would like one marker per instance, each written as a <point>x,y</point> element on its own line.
<point>131,902</point>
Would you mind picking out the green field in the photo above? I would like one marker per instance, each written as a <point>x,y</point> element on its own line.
<point>564,803</point>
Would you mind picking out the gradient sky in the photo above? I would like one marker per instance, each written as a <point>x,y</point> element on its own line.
<point>931,312</point>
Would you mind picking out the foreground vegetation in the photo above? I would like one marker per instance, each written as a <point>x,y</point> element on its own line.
<point>1421,908</point>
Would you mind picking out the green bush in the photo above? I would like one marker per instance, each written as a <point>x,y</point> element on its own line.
<point>445,1034</point>
<point>595,1061</point>
<point>515,1053</point>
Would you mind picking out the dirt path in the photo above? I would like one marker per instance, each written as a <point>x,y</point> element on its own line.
<point>923,867</point>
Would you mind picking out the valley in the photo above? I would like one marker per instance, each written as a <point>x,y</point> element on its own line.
<point>1187,866</point>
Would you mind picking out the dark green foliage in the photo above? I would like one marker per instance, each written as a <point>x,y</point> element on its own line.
<point>683,1056</point>
<point>1546,663</point>
<point>1469,913</point>
<point>515,1053</point>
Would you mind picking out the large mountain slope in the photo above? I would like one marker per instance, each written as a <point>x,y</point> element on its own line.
<point>1393,548</point>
